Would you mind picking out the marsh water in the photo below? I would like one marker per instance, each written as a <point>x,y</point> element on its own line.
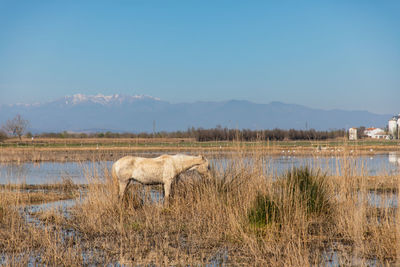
<point>80,172</point>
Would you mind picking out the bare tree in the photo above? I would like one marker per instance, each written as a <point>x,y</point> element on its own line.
<point>17,126</point>
<point>3,136</point>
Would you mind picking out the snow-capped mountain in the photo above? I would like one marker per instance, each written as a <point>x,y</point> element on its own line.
<point>140,113</point>
<point>79,99</point>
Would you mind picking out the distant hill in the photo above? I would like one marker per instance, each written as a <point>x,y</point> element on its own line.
<point>124,113</point>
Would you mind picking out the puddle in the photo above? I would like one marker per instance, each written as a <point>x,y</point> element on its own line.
<point>383,200</point>
<point>28,213</point>
<point>61,206</point>
<point>219,259</point>
<point>378,199</point>
<point>333,258</point>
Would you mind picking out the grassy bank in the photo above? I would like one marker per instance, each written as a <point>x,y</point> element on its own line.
<point>92,149</point>
<point>185,142</point>
<point>242,215</point>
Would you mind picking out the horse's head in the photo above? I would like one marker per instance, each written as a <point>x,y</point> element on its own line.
<point>203,168</point>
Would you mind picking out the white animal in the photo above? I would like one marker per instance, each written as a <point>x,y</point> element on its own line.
<point>161,170</point>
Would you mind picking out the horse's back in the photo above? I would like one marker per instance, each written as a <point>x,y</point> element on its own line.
<point>131,161</point>
<point>146,170</point>
<point>125,161</point>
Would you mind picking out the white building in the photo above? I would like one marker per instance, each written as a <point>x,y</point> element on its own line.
<point>393,127</point>
<point>398,126</point>
<point>353,134</point>
<point>375,133</point>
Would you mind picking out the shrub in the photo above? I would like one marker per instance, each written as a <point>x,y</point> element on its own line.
<point>263,211</point>
<point>309,189</point>
<point>299,191</point>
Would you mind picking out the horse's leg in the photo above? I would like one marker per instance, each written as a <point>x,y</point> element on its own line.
<point>167,191</point>
<point>174,184</point>
<point>143,195</point>
<point>139,193</point>
<point>122,187</point>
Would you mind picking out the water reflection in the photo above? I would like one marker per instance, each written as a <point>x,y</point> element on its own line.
<point>394,158</point>
<point>18,172</point>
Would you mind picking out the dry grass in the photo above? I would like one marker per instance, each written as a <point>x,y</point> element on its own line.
<point>93,149</point>
<point>24,194</point>
<point>208,221</point>
<point>69,141</point>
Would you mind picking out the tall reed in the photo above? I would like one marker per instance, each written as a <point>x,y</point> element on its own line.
<point>244,214</point>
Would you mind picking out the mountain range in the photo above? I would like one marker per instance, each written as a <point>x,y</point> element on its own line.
<point>141,113</point>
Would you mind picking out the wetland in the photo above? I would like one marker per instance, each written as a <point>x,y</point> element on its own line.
<point>60,212</point>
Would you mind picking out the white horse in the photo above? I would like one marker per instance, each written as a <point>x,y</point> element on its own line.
<point>161,170</point>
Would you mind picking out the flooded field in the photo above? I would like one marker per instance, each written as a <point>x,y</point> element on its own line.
<point>208,222</point>
<point>52,172</point>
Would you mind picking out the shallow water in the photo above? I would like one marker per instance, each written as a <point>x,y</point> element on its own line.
<point>383,200</point>
<point>368,165</point>
<point>62,205</point>
<point>79,172</point>
<point>333,258</point>
<point>51,172</point>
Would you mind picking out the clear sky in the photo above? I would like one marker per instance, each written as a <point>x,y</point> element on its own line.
<point>322,54</point>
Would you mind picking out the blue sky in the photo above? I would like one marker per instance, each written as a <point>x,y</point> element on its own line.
<point>322,54</point>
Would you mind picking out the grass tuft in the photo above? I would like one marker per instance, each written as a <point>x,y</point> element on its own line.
<point>300,192</point>
<point>309,189</point>
<point>263,211</point>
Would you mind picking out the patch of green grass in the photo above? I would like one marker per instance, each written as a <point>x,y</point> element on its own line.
<point>309,189</point>
<point>263,212</point>
<point>300,189</point>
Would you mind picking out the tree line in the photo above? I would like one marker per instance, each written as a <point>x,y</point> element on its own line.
<point>213,134</point>
<point>225,134</point>
<point>17,127</point>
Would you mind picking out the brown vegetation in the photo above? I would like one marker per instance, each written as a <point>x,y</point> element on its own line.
<point>213,134</point>
<point>211,221</point>
<point>93,149</point>
<point>23,194</point>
